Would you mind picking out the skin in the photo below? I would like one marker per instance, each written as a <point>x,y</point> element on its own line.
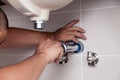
<point>32,67</point>
<point>3,26</point>
<point>15,38</point>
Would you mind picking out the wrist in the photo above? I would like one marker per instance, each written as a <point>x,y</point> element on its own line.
<point>43,57</point>
<point>46,35</point>
<point>52,36</point>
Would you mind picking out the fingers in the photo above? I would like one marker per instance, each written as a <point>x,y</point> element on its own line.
<point>70,32</point>
<point>75,39</point>
<point>60,54</point>
<point>52,49</point>
<point>72,23</point>
<point>77,29</point>
<point>77,34</point>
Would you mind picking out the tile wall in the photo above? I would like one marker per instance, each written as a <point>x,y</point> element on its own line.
<point>100,19</point>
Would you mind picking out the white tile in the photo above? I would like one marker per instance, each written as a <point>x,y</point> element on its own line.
<point>24,50</point>
<point>10,11</point>
<point>69,71</point>
<point>12,56</point>
<point>60,20</point>
<point>8,59</point>
<point>106,69</point>
<point>20,22</point>
<point>102,30</point>
<point>73,6</point>
<point>99,4</point>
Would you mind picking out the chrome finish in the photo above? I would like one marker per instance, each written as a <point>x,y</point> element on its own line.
<point>70,47</point>
<point>64,59</point>
<point>92,58</point>
<point>39,24</point>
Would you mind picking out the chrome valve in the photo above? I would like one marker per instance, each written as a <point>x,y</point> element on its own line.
<point>70,47</point>
<point>92,58</point>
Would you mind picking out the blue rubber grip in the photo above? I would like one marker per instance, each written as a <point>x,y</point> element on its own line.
<point>80,47</point>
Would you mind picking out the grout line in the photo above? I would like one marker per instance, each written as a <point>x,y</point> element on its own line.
<point>81,67</point>
<point>65,12</point>
<point>81,24</point>
<point>109,55</point>
<point>84,9</point>
<point>101,8</point>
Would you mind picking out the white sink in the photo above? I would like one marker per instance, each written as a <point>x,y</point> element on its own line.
<point>38,10</point>
<point>51,4</point>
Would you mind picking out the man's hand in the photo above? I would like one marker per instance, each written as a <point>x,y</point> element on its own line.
<point>31,68</point>
<point>70,32</point>
<point>51,50</point>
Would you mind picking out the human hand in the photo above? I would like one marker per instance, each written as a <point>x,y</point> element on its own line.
<point>51,50</point>
<point>70,32</point>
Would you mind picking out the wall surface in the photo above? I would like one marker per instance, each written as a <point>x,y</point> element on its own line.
<point>100,19</point>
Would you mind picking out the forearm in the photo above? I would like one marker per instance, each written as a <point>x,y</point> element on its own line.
<point>29,69</point>
<point>17,37</point>
<point>32,68</point>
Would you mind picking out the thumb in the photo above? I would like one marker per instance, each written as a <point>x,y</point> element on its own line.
<point>71,24</point>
